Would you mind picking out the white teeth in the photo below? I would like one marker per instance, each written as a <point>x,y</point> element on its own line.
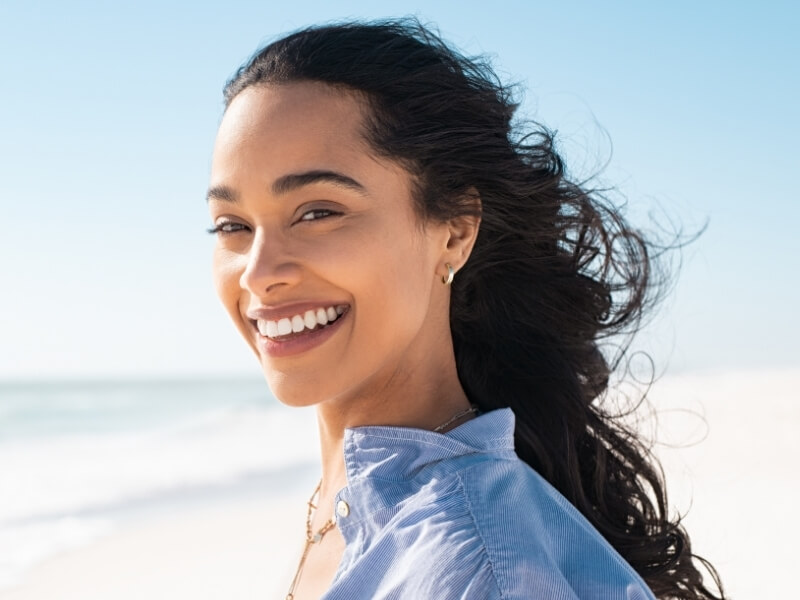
<point>296,324</point>
<point>272,329</point>
<point>284,327</point>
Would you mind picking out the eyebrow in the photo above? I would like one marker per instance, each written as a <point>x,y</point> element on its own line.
<point>222,193</point>
<point>288,183</point>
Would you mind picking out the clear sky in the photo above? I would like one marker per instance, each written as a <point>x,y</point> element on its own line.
<point>109,110</point>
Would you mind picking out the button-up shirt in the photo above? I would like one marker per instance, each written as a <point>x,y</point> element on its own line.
<point>459,516</point>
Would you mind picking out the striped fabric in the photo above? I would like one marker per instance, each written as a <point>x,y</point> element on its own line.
<point>458,515</point>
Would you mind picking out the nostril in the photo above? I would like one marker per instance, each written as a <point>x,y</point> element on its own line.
<point>270,287</point>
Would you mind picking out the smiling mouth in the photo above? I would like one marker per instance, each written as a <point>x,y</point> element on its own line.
<point>300,324</point>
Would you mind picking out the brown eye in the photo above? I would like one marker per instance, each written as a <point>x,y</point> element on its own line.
<point>226,228</point>
<point>316,214</point>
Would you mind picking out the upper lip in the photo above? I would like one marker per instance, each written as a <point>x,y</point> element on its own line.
<point>287,311</point>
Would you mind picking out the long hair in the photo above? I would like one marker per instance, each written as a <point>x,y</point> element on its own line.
<point>555,271</point>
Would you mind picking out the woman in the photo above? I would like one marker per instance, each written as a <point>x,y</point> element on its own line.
<point>400,256</point>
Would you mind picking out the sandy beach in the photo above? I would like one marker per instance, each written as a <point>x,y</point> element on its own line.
<point>729,448</point>
<point>236,551</point>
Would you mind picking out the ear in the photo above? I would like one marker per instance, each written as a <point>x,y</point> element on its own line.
<point>463,231</point>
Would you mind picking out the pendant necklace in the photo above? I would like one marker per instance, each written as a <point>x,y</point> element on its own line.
<point>311,538</point>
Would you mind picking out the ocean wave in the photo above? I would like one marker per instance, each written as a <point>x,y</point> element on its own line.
<point>63,491</point>
<point>71,473</point>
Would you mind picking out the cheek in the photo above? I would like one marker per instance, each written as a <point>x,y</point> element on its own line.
<point>396,295</point>
<point>226,272</point>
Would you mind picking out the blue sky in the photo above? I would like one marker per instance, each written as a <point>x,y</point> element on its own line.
<point>109,112</point>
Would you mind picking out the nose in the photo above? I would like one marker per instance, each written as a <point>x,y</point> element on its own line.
<point>269,267</point>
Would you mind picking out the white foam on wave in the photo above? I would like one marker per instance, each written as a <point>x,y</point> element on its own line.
<point>60,492</point>
<point>23,546</point>
<point>60,475</point>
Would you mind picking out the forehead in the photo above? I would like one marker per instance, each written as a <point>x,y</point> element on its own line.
<point>305,121</point>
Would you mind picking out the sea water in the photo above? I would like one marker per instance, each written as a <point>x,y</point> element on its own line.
<point>80,459</point>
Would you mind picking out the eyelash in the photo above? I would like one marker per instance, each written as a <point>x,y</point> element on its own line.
<point>327,213</point>
<point>229,227</point>
<point>226,228</point>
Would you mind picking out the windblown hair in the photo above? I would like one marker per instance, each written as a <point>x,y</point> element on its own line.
<point>555,271</point>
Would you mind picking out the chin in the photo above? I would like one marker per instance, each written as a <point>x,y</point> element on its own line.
<point>292,390</point>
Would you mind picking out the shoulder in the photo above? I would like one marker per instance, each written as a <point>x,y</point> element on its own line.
<point>460,516</point>
<point>537,543</point>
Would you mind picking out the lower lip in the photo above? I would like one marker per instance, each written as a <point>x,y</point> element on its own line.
<point>299,343</point>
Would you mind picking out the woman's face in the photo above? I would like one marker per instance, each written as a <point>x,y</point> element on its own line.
<point>320,258</point>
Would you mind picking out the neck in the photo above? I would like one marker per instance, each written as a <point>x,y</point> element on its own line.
<point>426,400</point>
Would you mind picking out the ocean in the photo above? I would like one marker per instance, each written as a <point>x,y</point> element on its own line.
<point>79,460</point>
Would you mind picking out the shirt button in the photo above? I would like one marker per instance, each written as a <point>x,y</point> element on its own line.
<point>342,508</point>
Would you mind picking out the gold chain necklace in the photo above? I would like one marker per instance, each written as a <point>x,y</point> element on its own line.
<point>316,538</point>
<point>456,417</point>
<point>310,539</point>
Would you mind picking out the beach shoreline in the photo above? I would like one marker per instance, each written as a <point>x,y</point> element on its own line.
<point>235,550</point>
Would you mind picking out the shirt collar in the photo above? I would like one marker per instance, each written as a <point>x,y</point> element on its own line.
<point>398,453</point>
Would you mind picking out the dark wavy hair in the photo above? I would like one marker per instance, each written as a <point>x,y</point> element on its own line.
<point>555,271</point>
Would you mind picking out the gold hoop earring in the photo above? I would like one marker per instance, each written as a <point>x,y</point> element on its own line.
<point>448,279</point>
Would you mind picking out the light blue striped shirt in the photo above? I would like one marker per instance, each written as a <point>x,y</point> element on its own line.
<point>458,515</point>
